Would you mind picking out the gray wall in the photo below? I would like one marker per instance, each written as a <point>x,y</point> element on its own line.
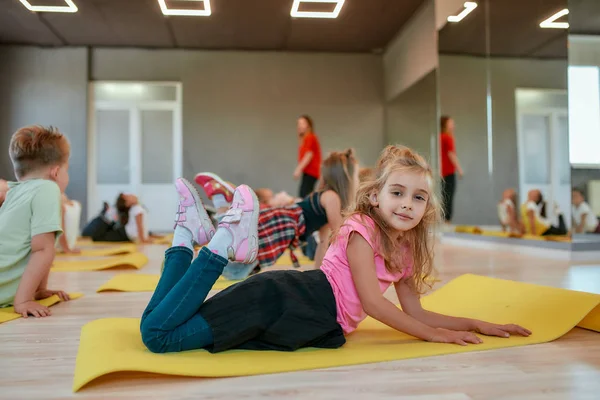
<point>240,109</point>
<point>411,118</point>
<point>462,93</point>
<point>48,87</point>
<point>412,54</point>
<point>584,50</point>
<point>463,96</point>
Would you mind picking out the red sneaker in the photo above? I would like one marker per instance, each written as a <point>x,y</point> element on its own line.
<point>213,184</point>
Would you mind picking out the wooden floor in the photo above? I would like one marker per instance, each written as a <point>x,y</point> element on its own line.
<point>38,356</point>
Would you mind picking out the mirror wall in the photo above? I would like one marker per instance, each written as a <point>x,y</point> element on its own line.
<point>584,119</point>
<point>504,150</point>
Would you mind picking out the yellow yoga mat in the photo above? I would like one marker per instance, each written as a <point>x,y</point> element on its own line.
<point>8,314</point>
<point>98,250</point>
<point>146,283</point>
<point>167,239</point>
<point>114,344</point>
<point>285,259</point>
<point>82,263</point>
<point>477,231</point>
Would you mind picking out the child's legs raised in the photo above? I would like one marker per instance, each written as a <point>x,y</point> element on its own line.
<point>177,261</point>
<point>174,324</point>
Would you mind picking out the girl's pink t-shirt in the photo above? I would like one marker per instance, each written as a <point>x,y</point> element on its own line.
<point>337,269</point>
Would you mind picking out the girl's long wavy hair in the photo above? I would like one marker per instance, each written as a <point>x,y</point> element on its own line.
<point>339,169</point>
<point>419,240</point>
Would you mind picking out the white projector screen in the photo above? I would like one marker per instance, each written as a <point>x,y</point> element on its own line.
<point>584,116</point>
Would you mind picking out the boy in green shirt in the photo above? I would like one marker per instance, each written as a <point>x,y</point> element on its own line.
<point>30,218</point>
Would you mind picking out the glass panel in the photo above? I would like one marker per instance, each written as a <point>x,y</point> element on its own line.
<point>563,151</point>
<point>536,147</point>
<point>112,146</point>
<point>135,91</point>
<point>157,146</point>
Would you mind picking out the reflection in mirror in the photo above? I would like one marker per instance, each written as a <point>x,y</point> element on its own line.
<point>584,120</point>
<point>503,80</point>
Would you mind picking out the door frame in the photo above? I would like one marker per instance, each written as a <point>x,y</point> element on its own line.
<point>135,106</point>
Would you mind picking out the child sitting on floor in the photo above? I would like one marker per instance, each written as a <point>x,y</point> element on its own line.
<point>30,218</point>
<point>584,220</point>
<point>385,240</point>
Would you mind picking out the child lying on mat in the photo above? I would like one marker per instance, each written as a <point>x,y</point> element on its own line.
<point>125,224</point>
<point>385,240</point>
<point>283,228</point>
<point>30,218</point>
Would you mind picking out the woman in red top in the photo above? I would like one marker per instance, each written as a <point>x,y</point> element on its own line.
<point>309,157</point>
<point>450,165</point>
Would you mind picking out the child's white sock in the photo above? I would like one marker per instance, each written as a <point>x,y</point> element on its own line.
<point>220,242</point>
<point>219,201</point>
<point>183,237</point>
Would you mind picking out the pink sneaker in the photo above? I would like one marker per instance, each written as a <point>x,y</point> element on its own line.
<point>191,213</point>
<point>213,184</point>
<point>241,220</point>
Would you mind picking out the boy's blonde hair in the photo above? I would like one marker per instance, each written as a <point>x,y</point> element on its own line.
<point>420,239</point>
<point>34,147</point>
<point>338,175</point>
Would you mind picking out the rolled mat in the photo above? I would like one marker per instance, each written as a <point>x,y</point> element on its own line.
<point>82,263</point>
<point>9,314</point>
<point>114,344</point>
<point>145,283</point>
<point>98,250</point>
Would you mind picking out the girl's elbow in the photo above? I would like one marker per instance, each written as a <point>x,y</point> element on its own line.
<point>372,308</point>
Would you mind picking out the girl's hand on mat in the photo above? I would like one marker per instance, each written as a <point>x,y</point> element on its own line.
<point>44,294</point>
<point>33,308</point>
<point>488,329</point>
<point>459,337</point>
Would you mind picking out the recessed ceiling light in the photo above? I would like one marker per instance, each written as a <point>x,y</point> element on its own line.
<point>469,6</point>
<point>69,8</point>
<point>549,23</point>
<point>316,14</point>
<point>186,12</point>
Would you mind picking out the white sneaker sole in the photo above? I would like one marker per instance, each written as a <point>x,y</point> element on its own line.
<point>205,220</point>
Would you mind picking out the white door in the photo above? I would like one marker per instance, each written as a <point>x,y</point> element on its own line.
<point>544,158</point>
<point>135,147</point>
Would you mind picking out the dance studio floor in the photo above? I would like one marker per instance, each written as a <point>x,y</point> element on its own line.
<point>38,356</point>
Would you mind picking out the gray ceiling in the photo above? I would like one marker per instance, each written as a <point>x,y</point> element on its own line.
<point>513,30</point>
<point>363,25</point>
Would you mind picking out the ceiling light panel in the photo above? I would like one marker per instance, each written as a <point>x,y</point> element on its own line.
<point>469,6</point>
<point>550,22</point>
<point>186,12</point>
<point>316,14</point>
<point>69,7</point>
